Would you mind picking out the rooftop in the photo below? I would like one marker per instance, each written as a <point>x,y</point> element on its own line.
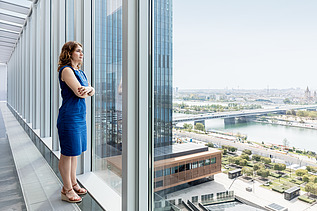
<point>177,150</point>
<point>291,190</point>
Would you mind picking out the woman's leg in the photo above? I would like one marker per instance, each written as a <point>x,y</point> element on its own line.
<point>73,177</point>
<point>73,170</point>
<point>65,168</point>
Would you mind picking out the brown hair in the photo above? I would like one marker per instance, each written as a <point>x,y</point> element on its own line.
<point>65,58</point>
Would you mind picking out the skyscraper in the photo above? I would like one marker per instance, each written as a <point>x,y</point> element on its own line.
<point>108,76</point>
<point>163,72</point>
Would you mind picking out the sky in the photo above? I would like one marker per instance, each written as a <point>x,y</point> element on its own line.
<point>244,44</point>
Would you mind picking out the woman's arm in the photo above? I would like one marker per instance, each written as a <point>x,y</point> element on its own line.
<point>92,92</point>
<point>70,79</point>
<point>84,90</point>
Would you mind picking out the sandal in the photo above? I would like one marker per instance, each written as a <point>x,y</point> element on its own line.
<point>71,199</point>
<point>79,191</point>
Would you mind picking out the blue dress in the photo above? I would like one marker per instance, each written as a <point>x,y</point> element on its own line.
<point>71,121</point>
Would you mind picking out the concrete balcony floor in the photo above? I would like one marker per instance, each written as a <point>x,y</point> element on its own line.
<point>26,180</point>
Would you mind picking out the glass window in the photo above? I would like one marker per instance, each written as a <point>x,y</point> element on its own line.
<point>159,184</point>
<point>201,163</point>
<point>107,63</point>
<point>195,165</point>
<point>167,171</point>
<point>175,170</point>
<point>181,168</point>
<point>188,166</point>
<point>207,162</point>
<point>70,26</point>
<point>158,173</point>
<point>213,160</point>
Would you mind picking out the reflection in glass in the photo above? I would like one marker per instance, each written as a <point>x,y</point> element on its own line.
<point>108,97</point>
<point>178,164</point>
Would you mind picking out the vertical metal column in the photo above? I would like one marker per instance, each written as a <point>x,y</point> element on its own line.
<point>57,41</point>
<point>129,105</point>
<point>47,69</point>
<point>137,106</point>
<point>86,32</point>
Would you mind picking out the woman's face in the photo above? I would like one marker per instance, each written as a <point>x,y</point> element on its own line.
<point>78,55</point>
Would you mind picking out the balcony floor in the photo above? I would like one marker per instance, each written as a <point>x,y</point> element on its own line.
<point>27,182</point>
<point>11,197</point>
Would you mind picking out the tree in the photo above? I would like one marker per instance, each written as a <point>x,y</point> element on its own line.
<point>258,166</point>
<point>301,172</point>
<point>247,151</point>
<point>279,166</point>
<point>256,157</point>
<point>232,149</point>
<point>314,179</point>
<point>200,126</point>
<point>247,171</point>
<point>263,172</point>
<point>305,178</point>
<point>300,113</point>
<point>231,159</point>
<point>311,169</point>
<point>224,151</point>
<point>287,101</point>
<point>237,160</point>
<point>210,144</point>
<point>243,162</point>
<point>245,156</point>
<point>266,160</point>
<point>311,188</point>
<point>188,126</point>
<point>285,142</point>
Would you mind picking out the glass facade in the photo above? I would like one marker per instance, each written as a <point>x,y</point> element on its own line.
<point>125,154</point>
<point>108,84</point>
<point>108,98</point>
<point>163,71</point>
<point>177,165</point>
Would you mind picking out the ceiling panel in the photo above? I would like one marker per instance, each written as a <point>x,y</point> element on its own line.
<point>7,44</point>
<point>8,40</point>
<point>5,52</point>
<point>14,7</point>
<point>12,19</point>
<point>9,34</point>
<point>13,14</point>
<point>2,47</point>
<point>5,48</point>
<point>10,27</point>
<point>4,56</point>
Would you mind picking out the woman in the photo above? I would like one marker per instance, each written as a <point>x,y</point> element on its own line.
<point>71,122</point>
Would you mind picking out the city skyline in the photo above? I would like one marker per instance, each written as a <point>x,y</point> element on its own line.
<point>244,44</point>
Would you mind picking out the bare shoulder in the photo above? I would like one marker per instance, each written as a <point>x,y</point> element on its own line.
<point>67,72</point>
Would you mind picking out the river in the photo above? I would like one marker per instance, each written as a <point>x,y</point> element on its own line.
<point>298,137</point>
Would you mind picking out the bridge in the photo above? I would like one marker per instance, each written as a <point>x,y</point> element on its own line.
<point>230,117</point>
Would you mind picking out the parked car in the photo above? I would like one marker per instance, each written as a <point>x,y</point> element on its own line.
<point>248,189</point>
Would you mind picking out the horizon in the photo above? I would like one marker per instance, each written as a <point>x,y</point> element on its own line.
<point>291,88</point>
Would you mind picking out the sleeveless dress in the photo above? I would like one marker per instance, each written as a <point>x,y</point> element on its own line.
<point>71,121</point>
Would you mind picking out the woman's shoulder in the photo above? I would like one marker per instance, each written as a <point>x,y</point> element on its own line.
<point>65,67</point>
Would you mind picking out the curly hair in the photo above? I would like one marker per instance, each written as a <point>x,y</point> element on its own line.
<point>66,54</point>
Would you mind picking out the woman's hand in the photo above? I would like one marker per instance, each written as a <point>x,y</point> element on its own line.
<point>84,90</point>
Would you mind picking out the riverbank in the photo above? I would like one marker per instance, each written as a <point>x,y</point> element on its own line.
<point>256,148</point>
<point>291,122</point>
